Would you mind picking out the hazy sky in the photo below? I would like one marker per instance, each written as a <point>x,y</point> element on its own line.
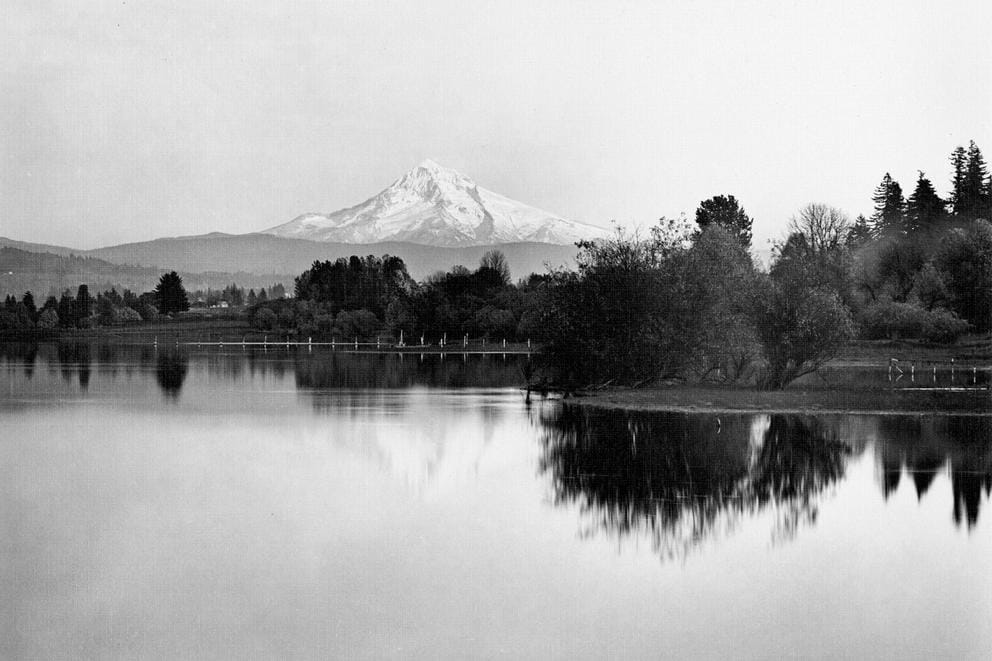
<point>125,121</point>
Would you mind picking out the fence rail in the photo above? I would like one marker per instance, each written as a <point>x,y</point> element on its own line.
<point>938,375</point>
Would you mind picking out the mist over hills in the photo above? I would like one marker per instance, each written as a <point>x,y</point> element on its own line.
<point>49,273</point>
<point>219,259</point>
<point>263,253</point>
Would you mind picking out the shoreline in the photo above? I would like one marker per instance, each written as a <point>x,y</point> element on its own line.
<point>689,399</point>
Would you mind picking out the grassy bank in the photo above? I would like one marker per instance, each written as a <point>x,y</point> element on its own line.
<point>878,401</point>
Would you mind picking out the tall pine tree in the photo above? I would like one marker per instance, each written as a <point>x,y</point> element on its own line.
<point>890,207</point>
<point>924,209</point>
<point>975,176</point>
<point>971,196</point>
<point>861,233</point>
<point>959,161</point>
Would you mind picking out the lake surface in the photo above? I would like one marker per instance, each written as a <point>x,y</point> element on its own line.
<point>229,503</point>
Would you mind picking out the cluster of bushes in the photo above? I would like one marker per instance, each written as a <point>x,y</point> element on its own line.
<point>895,320</point>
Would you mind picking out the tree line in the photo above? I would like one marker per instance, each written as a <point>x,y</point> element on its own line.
<point>688,302</point>
<point>365,297</point>
<point>83,310</point>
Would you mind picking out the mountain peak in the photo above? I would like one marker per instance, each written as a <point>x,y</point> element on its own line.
<point>430,164</point>
<point>434,205</point>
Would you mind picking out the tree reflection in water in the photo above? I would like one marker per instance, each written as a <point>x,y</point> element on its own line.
<point>682,479</point>
<point>925,446</point>
<point>170,372</point>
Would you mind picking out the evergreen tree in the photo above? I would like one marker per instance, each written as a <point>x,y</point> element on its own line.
<point>84,305</point>
<point>28,301</point>
<point>67,310</point>
<point>890,207</point>
<point>262,296</point>
<point>252,298</point>
<point>974,193</point>
<point>170,295</point>
<point>724,210</point>
<point>959,161</point>
<point>924,208</point>
<point>861,233</point>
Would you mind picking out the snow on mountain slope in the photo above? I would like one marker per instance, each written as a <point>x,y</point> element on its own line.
<point>438,206</point>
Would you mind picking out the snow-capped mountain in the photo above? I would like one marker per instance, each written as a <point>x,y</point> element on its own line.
<point>437,206</point>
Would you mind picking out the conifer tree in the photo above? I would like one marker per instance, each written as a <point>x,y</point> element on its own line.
<point>959,161</point>
<point>724,210</point>
<point>924,208</point>
<point>975,175</point>
<point>890,207</point>
<point>861,233</point>
<point>29,305</point>
<point>84,305</point>
<point>170,295</point>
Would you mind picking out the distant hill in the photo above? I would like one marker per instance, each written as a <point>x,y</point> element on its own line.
<point>263,253</point>
<point>38,247</point>
<point>245,259</point>
<point>45,273</point>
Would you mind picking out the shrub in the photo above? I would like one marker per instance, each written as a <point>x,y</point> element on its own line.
<point>895,320</point>
<point>356,323</point>
<point>264,319</point>
<point>944,326</point>
<point>800,328</point>
<point>49,319</point>
<point>125,315</point>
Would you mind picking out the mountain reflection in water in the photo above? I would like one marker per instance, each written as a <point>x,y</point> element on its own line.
<point>682,479</point>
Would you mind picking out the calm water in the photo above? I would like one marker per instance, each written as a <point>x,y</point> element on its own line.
<point>230,504</point>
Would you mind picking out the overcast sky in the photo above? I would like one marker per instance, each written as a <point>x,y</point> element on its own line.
<point>126,121</point>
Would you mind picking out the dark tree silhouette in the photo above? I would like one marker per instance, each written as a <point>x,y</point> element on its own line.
<point>861,233</point>
<point>84,305</point>
<point>970,196</point>
<point>976,204</point>
<point>29,305</point>
<point>724,210</point>
<point>495,261</point>
<point>924,208</point>
<point>890,207</point>
<point>170,295</point>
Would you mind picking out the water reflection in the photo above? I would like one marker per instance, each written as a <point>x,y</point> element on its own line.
<point>335,370</point>
<point>923,447</point>
<point>682,479</point>
<point>281,503</point>
<point>170,372</point>
<point>312,371</point>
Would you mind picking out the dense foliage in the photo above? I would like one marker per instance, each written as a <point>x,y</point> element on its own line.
<point>639,310</point>
<point>170,295</point>
<point>922,267</point>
